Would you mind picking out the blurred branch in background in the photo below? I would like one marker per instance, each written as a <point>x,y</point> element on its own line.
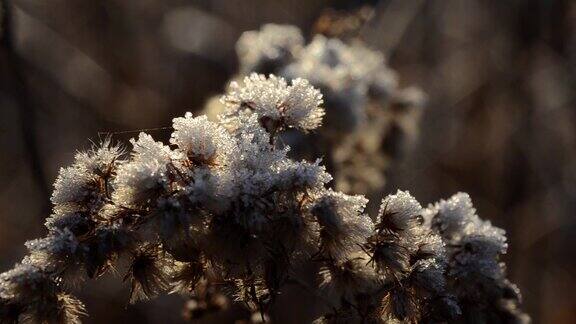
<point>389,24</point>
<point>14,83</point>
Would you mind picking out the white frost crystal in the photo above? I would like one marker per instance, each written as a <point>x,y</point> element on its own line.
<point>296,105</point>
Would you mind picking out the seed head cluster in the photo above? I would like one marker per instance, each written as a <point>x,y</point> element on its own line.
<point>369,119</point>
<point>224,206</point>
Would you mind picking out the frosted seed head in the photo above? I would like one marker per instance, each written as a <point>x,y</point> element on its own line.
<point>454,217</point>
<point>254,144</point>
<point>301,107</point>
<point>266,50</point>
<point>388,255</point>
<point>148,273</point>
<point>76,222</point>
<point>56,307</point>
<point>477,257</point>
<point>84,184</point>
<point>145,176</point>
<point>328,62</point>
<point>456,220</point>
<point>400,304</point>
<point>399,212</point>
<point>445,308</point>
<point>61,243</point>
<point>138,182</point>
<point>428,275</point>
<point>343,226</point>
<point>68,309</point>
<point>303,175</point>
<point>145,148</point>
<point>277,104</point>
<point>74,185</point>
<point>202,141</point>
<point>473,248</point>
<point>430,247</point>
<point>350,276</point>
<point>55,252</point>
<point>494,237</point>
<point>23,281</point>
<point>102,159</point>
<point>187,274</point>
<point>110,240</point>
<point>322,63</point>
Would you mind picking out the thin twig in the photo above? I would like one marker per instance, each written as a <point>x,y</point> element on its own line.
<point>134,131</point>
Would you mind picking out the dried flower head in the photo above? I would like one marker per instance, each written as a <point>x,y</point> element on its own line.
<point>278,104</point>
<point>202,141</point>
<point>343,226</point>
<point>148,273</point>
<point>474,271</point>
<point>271,47</point>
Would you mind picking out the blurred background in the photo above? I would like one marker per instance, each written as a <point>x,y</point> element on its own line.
<point>500,122</point>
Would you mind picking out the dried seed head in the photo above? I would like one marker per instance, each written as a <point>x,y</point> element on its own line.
<point>187,275</point>
<point>145,176</point>
<point>389,256</point>
<point>401,304</point>
<point>85,184</point>
<point>343,226</point>
<point>350,277</point>
<point>268,49</point>
<point>278,104</point>
<point>203,141</point>
<point>148,273</point>
<point>398,213</point>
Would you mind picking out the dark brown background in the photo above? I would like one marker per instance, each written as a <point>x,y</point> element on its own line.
<point>500,124</point>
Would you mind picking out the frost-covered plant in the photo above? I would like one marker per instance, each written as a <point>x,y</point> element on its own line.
<point>396,273</point>
<point>221,203</point>
<point>270,48</point>
<point>224,209</point>
<point>279,106</point>
<point>433,265</point>
<point>369,118</point>
<point>475,273</point>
